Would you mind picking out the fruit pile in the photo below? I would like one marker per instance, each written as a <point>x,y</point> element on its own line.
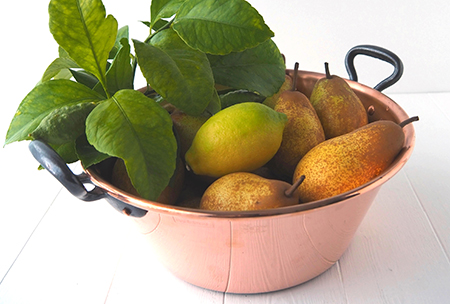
<point>287,150</point>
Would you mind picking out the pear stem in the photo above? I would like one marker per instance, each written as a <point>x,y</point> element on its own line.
<point>327,71</point>
<point>294,187</point>
<point>294,79</point>
<point>408,121</point>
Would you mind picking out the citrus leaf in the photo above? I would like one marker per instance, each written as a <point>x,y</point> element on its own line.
<point>163,9</point>
<point>184,79</point>
<point>66,151</point>
<point>123,32</point>
<point>220,26</point>
<point>119,76</point>
<point>136,129</point>
<point>260,69</point>
<point>85,78</point>
<point>87,154</point>
<point>215,104</point>
<point>120,73</point>
<point>57,67</point>
<point>64,123</point>
<point>81,29</point>
<point>159,24</point>
<point>42,101</point>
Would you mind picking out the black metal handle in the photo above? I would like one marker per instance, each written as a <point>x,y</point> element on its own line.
<point>53,163</point>
<point>379,53</point>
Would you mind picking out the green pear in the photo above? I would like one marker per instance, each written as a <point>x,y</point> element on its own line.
<point>348,161</point>
<point>338,107</point>
<point>243,191</point>
<point>302,132</point>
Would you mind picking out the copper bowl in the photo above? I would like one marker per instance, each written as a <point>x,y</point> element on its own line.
<point>254,251</point>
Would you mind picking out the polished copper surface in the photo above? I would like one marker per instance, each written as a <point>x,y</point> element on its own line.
<point>268,250</point>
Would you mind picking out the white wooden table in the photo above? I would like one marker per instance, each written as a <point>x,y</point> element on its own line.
<point>57,249</point>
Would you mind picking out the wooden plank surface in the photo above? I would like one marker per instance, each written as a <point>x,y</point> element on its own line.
<point>71,257</point>
<point>55,248</point>
<point>26,196</point>
<point>429,168</point>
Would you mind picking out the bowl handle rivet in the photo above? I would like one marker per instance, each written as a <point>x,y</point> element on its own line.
<point>126,211</point>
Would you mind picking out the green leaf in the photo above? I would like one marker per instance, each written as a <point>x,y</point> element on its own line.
<point>147,23</point>
<point>220,26</point>
<point>260,69</point>
<point>136,129</point>
<point>63,124</point>
<point>42,101</point>
<point>159,24</point>
<point>87,154</point>
<point>214,105</point>
<point>184,77</point>
<point>57,67</point>
<point>81,29</point>
<point>62,53</point>
<point>122,33</point>
<point>163,9</point>
<point>66,151</point>
<point>120,74</point>
<point>85,78</point>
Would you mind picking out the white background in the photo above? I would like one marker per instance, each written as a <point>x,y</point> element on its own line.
<point>400,253</point>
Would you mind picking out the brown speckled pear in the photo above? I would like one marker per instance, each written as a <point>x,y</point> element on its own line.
<point>338,107</point>
<point>287,85</point>
<point>302,132</point>
<point>243,191</point>
<point>348,161</point>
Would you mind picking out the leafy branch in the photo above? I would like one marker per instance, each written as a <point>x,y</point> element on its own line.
<point>85,105</point>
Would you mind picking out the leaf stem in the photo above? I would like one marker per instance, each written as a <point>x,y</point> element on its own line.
<point>159,30</point>
<point>105,88</point>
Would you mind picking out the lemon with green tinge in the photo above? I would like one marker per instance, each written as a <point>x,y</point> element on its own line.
<point>240,138</point>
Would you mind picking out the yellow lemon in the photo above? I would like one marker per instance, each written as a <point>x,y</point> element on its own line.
<point>239,138</point>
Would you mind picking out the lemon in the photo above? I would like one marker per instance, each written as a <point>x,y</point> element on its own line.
<point>240,138</point>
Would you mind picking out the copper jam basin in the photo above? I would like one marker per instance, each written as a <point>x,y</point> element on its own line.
<point>257,251</point>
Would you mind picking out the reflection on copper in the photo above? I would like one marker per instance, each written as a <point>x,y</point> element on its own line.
<point>266,250</point>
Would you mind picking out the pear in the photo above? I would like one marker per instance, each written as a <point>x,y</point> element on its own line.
<point>348,161</point>
<point>169,195</point>
<point>186,126</point>
<point>287,85</point>
<point>244,191</point>
<point>302,132</point>
<point>338,107</point>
